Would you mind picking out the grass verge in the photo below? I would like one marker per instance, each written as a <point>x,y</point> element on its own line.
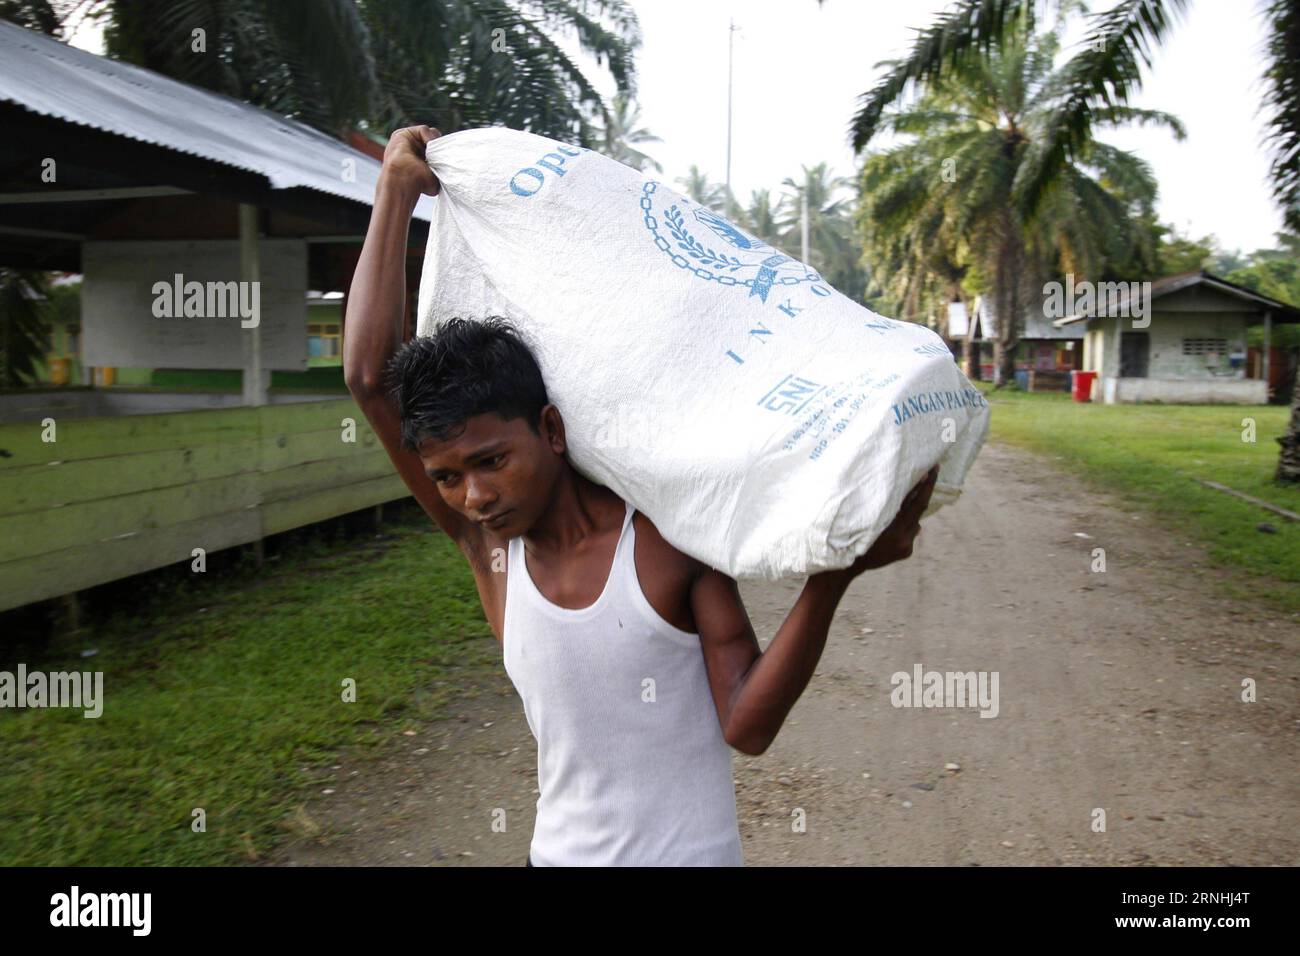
<point>226,694</point>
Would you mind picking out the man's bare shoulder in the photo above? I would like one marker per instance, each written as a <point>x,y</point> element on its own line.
<point>661,551</point>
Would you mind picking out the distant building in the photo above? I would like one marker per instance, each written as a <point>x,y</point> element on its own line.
<point>1045,354</point>
<point>180,428</point>
<point>1189,346</point>
<point>324,329</point>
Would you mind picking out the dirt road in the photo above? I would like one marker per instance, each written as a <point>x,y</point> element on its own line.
<point>1118,691</point>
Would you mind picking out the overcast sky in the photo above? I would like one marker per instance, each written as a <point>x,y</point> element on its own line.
<point>799,69</point>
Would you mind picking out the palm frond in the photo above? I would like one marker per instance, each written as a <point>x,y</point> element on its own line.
<point>1120,115</point>
<point>946,45</point>
<point>1282,82</point>
<point>1101,76</point>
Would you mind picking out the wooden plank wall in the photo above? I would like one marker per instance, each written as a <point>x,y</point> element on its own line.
<point>111,497</point>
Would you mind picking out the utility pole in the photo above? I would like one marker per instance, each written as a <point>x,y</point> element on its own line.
<point>803,221</point>
<point>731,37</point>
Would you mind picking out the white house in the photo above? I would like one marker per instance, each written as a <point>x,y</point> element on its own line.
<point>1183,341</point>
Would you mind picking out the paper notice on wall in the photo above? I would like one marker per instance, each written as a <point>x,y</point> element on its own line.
<point>958,324</point>
<point>182,304</point>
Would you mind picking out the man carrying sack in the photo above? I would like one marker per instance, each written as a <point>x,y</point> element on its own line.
<point>637,664</point>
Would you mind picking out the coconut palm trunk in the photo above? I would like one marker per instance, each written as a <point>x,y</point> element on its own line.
<point>970,358</point>
<point>1008,289</point>
<point>1288,462</point>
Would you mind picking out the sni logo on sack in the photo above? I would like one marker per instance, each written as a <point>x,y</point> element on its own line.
<point>790,395</point>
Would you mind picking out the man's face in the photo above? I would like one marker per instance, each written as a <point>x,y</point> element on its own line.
<point>498,468</point>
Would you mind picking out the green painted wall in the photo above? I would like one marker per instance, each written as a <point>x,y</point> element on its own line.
<point>111,497</point>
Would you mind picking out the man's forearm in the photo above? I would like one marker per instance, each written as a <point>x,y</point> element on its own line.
<point>377,297</point>
<point>779,675</point>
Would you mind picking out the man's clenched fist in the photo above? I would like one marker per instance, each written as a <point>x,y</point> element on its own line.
<point>404,163</point>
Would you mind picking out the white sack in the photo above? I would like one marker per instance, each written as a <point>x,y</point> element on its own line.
<point>767,424</point>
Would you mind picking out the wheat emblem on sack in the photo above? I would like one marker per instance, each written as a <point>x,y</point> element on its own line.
<point>770,266</point>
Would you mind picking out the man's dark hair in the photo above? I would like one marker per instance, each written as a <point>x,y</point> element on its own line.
<point>465,368</point>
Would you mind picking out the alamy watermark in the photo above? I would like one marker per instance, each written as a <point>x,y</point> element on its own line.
<point>628,425</point>
<point>57,689</point>
<point>922,688</point>
<point>179,299</point>
<point>129,910</point>
<point>1130,300</point>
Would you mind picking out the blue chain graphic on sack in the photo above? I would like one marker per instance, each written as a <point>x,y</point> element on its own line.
<point>769,266</point>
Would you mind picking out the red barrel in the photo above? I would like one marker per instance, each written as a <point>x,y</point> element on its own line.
<point>1081,385</point>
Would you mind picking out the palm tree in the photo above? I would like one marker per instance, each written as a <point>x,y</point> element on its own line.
<point>338,64</point>
<point>944,203</point>
<point>482,62</point>
<point>1101,77</point>
<point>24,332</point>
<point>759,219</point>
<point>922,264</point>
<point>620,136</point>
<point>832,247</point>
<point>1288,459</point>
<point>1282,96</point>
<point>1105,73</point>
<point>699,188</point>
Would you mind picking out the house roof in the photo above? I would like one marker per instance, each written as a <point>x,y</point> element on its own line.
<point>50,78</point>
<point>1035,326</point>
<point>1283,312</point>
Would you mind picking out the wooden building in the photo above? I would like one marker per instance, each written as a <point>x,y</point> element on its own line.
<point>107,166</point>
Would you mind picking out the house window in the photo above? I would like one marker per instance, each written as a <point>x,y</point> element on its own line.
<point>323,341</point>
<point>1205,346</point>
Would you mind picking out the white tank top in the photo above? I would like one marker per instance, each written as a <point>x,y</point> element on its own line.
<point>632,768</point>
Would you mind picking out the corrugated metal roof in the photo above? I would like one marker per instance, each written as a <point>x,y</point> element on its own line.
<point>1036,325</point>
<point>51,78</point>
<point>1285,312</point>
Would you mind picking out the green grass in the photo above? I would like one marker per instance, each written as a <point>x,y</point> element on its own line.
<point>226,695</point>
<point>1149,454</point>
<point>321,378</point>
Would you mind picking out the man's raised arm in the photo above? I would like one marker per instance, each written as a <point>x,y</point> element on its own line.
<point>373,326</point>
<point>378,294</point>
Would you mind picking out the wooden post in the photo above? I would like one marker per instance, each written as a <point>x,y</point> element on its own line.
<point>71,609</point>
<point>1268,341</point>
<point>350,255</point>
<point>256,381</point>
